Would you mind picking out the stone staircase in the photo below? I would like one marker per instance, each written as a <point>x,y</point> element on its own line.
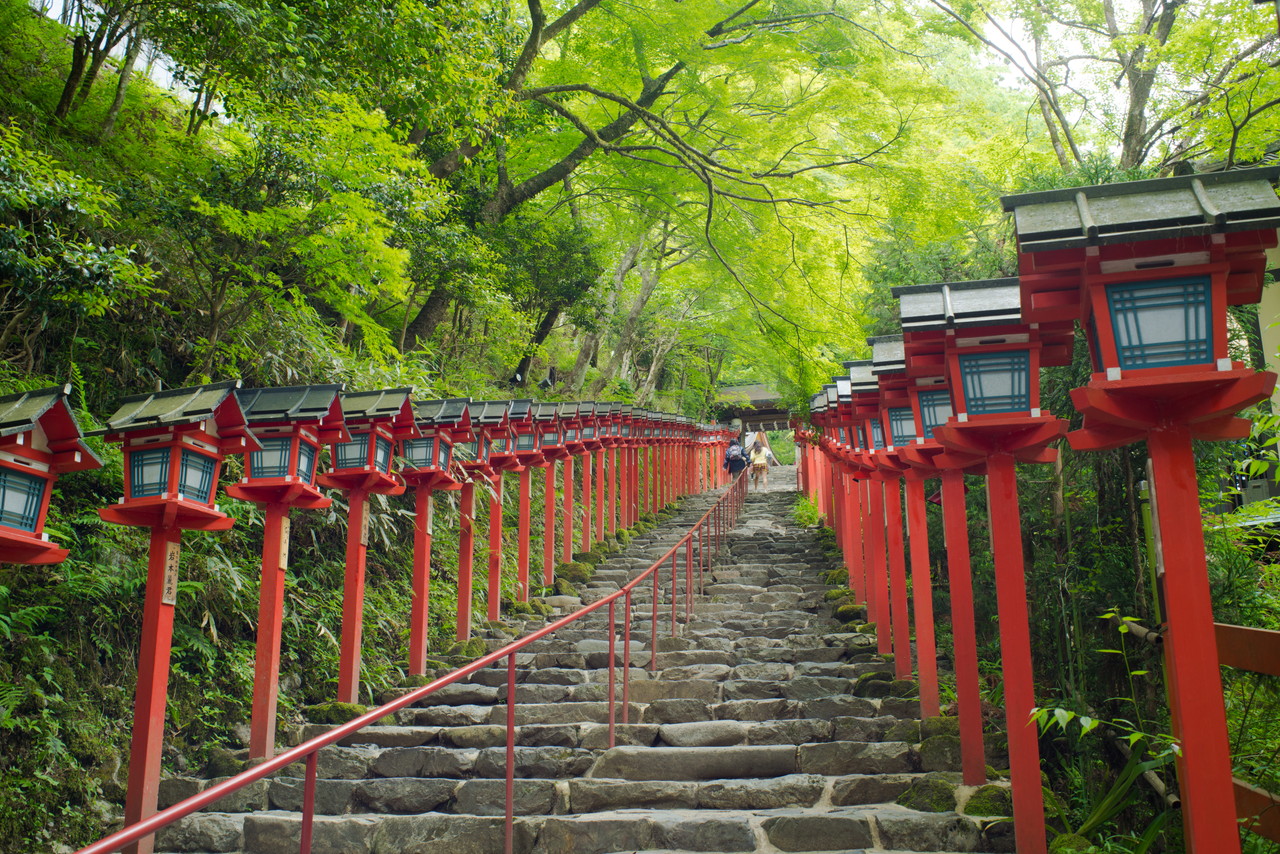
<point>766,727</point>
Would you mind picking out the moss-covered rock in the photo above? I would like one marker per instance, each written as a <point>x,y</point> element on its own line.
<point>908,731</point>
<point>624,537</point>
<point>904,688</point>
<point>875,684</point>
<point>576,572</point>
<point>849,612</point>
<point>564,587</point>
<point>940,753</point>
<point>836,576</point>
<point>837,594</point>
<point>334,712</point>
<point>929,794</point>
<point>227,763</point>
<point>940,725</point>
<point>990,800</point>
<point>468,649</point>
<point>1069,842</point>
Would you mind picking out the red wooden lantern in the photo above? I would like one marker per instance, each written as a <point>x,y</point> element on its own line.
<point>39,440</point>
<point>492,421</point>
<point>291,425</point>
<point>362,466</point>
<point>1149,268</point>
<point>550,445</point>
<point>174,443</point>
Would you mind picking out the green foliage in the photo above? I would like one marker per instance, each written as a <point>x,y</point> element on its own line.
<point>805,512</point>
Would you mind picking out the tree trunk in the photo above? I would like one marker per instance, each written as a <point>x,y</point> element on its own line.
<point>649,278</point>
<point>424,323</point>
<point>591,347</point>
<point>548,322</point>
<point>79,57</point>
<point>122,85</point>
<point>644,395</point>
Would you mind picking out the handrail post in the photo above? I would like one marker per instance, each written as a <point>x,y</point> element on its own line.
<point>674,600</point>
<point>626,661</point>
<point>510,788</point>
<point>308,802</point>
<point>653,640</point>
<point>613,639</point>
<point>688,578</point>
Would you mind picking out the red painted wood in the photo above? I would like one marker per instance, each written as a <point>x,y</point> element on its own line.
<point>1208,807</point>
<point>853,519</point>
<point>266,664</point>
<point>922,588</point>
<point>419,607</point>
<point>522,541</point>
<point>466,557</point>
<point>586,501</point>
<point>152,692</point>
<point>615,457</point>
<point>353,599</point>
<point>600,495</point>
<point>1015,653</point>
<point>879,567</point>
<point>900,620</point>
<point>567,518</point>
<point>493,597</point>
<point>549,524</point>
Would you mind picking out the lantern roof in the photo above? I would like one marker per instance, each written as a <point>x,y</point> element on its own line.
<point>888,354</point>
<point>545,411</point>
<point>392,404</point>
<point>626,410</point>
<point>520,409</point>
<point>1159,208</point>
<point>844,389</point>
<point>47,409</point>
<point>985,302</point>
<point>178,406</point>
<point>291,403</point>
<point>488,413</point>
<point>586,409</point>
<point>453,412</point>
<point>861,378</point>
<point>569,409</point>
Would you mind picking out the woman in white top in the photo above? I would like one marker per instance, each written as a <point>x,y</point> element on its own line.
<point>761,458</point>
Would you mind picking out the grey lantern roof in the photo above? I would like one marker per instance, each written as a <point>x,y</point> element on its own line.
<point>586,409</point>
<point>626,410</point>
<point>289,403</point>
<point>861,379</point>
<point>818,403</point>
<point>383,403</point>
<point>1186,205</point>
<point>454,412</point>
<point>986,302</point>
<point>488,412</point>
<point>544,412</point>
<point>519,409</point>
<point>833,394</point>
<point>569,409</point>
<point>888,354</point>
<point>844,389</point>
<point>21,412</point>
<point>174,406</point>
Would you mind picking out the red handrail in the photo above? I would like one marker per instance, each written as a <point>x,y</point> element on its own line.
<point>718,519</point>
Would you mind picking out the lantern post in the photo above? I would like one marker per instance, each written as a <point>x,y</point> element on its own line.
<point>571,429</point>
<point>931,407</point>
<point>525,449</point>
<point>1148,269</point>
<point>488,421</point>
<point>993,363</point>
<point>427,465</point>
<point>493,417</point>
<point>292,425</point>
<point>360,467</point>
<point>39,440</point>
<point>587,445</point>
<point>174,444</point>
<point>876,526</point>
<point>546,418</point>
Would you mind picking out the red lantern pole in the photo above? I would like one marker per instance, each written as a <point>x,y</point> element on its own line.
<point>153,681</point>
<point>878,584</point>
<point>420,607</point>
<point>586,501</point>
<point>494,610</point>
<point>353,596</point>
<point>900,622</point>
<point>522,545</point>
<point>567,528</point>
<point>266,663</point>
<point>960,576</point>
<point>466,556</point>
<point>922,586</point>
<point>852,517</point>
<point>1193,651</point>
<point>600,494</point>
<point>1015,652</point>
<point>614,457</point>
<point>549,524</point>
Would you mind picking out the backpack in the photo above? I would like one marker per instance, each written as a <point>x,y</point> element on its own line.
<point>734,453</point>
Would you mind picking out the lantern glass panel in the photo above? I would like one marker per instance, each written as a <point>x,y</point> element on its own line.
<point>1159,324</point>
<point>21,495</point>
<point>148,472</point>
<point>843,438</point>
<point>465,451</point>
<point>935,409</point>
<point>550,439</point>
<point>877,434</point>
<point>483,449</point>
<point>588,432</point>
<point>272,460</point>
<point>571,435</point>
<point>626,429</point>
<point>996,382</point>
<point>195,476</point>
<point>419,452</point>
<point>307,461</point>
<point>902,425</point>
<point>500,445</point>
<point>353,454</point>
<point>525,442</point>
<point>442,455</point>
